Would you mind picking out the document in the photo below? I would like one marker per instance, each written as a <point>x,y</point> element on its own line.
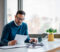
<point>20,39</point>
<point>12,47</point>
<point>35,45</point>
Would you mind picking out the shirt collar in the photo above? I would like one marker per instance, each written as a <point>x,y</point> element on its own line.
<point>16,24</point>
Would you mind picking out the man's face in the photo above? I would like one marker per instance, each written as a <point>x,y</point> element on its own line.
<point>19,19</point>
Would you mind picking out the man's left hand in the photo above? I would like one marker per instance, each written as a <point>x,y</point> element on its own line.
<point>33,40</point>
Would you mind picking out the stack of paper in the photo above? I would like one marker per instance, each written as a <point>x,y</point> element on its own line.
<point>12,47</point>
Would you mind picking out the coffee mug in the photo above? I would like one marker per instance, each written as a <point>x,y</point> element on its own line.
<point>39,39</point>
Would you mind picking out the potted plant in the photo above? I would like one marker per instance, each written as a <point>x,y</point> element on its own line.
<point>51,35</point>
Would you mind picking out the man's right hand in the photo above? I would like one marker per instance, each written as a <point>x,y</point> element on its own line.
<point>13,42</point>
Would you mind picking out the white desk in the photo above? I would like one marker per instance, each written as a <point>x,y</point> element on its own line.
<point>15,48</point>
<point>47,46</point>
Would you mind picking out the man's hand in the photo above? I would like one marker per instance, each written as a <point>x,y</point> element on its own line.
<point>13,42</point>
<point>33,40</point>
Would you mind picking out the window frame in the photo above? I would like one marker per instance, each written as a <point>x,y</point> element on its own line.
<point>5,12</point>
<point>20,4</point>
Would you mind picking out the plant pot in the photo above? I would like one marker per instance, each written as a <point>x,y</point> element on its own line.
<point>51,37</point>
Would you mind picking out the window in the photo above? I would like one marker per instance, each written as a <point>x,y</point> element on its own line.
<point>41,15</point>
<point>12,7</point>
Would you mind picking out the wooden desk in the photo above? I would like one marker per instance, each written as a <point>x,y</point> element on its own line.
<point>55,50</point>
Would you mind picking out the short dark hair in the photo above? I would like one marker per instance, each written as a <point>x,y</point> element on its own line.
<point>20,12</point>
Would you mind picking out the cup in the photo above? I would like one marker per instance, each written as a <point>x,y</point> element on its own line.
<point>39,39</point>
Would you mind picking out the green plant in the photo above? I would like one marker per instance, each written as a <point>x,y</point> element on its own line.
<point>51,30</point>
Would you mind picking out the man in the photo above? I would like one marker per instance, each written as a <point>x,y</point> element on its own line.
<point>15,27</point>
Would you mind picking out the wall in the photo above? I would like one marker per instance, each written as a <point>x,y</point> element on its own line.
<point>1,15</point>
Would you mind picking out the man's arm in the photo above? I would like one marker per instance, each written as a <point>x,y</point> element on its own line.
<point>28,40</point>
<point>26,33</point>
<point>5,34</point>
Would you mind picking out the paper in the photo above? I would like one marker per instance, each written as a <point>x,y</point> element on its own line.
<point>15,46</point>
<point>35,45</point>
<point>20,39</point>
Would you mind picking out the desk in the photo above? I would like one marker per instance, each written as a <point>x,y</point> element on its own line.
<point>13,49</point>
<point>47,46</point>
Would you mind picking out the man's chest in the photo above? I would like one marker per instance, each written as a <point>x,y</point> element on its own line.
<point>15,31</point>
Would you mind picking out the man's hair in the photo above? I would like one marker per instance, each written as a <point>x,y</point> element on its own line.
<point>20,12</point>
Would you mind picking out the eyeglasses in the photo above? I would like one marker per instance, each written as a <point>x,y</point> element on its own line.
<point>20,18</point>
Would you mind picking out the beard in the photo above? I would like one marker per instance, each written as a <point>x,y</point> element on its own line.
<point>19,23</point>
